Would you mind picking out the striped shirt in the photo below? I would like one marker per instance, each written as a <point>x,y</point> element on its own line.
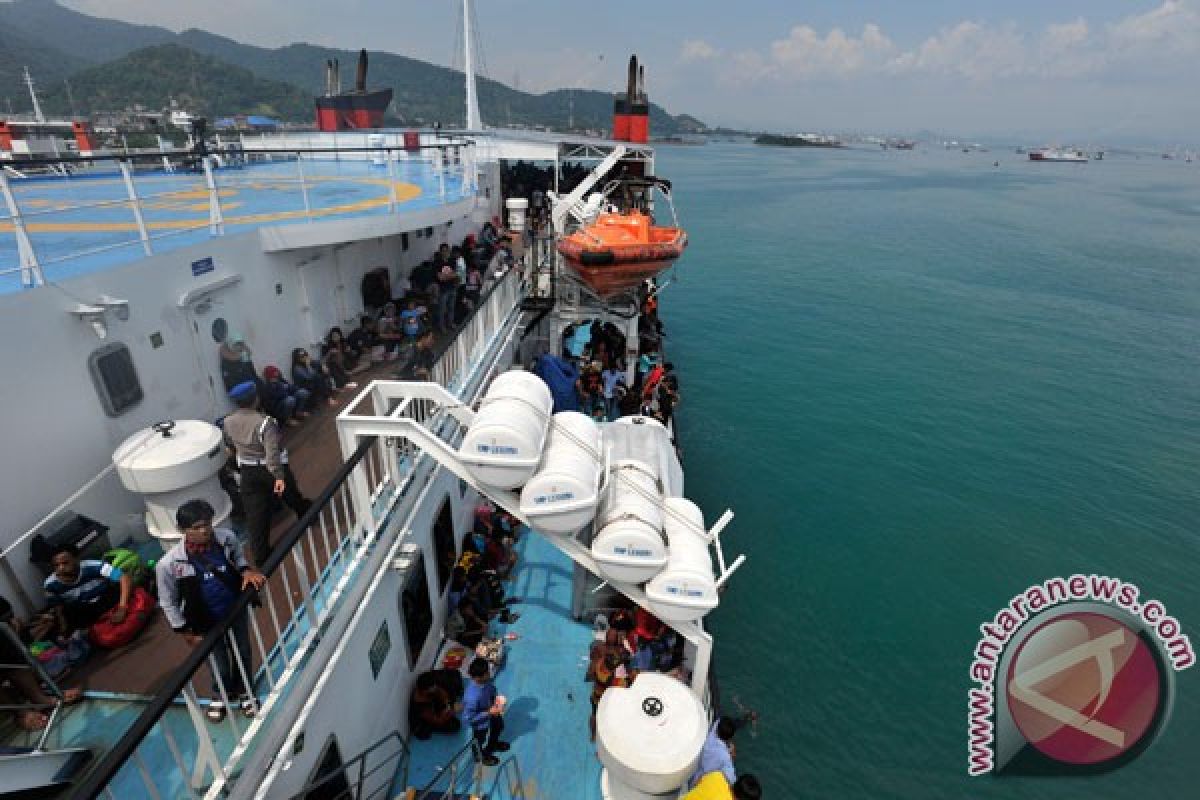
<point>94,577</point>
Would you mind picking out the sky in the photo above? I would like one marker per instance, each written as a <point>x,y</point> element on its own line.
<point>1103,70</point>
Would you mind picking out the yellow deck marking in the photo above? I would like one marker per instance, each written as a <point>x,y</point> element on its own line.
<point>404,192</point>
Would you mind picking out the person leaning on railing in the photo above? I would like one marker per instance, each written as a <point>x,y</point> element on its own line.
<point>198,581</point>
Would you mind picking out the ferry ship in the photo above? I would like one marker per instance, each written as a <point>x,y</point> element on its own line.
<point>116,291</point>
<point>1058,154</point>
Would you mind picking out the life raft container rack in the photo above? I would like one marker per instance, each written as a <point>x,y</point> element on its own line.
<point>426,415</point>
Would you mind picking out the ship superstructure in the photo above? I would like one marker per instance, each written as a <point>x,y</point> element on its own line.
<point>130,282</point>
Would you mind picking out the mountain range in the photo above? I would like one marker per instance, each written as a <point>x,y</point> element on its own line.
<point>113,65</point>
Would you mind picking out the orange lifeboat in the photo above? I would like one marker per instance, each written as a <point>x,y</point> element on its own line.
<point>620,250</point>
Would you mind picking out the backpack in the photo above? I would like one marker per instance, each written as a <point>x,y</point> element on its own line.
<point>131,564</point>
<point>110,635</point>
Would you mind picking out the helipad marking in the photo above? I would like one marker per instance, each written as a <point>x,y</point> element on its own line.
<point>404,192</point>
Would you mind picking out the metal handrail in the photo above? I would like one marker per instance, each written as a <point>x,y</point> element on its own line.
<point>471,748</point>
<point>515,789</point>
<point>402,752</point>
<point>108,766</point>
<point>33,266</point>
<point>157,155</point>
<point>125,748</point>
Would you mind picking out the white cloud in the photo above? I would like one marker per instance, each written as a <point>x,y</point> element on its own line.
<point>805,53</point>
<point>697,50</point>
<point>972,51</point>
<point>967,50</point>
<point>1172,29</point>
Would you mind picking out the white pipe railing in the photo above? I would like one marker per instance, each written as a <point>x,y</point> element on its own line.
<point>314,575</point>
<point>144,196</point>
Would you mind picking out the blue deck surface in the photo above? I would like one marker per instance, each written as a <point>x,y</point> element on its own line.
<point>543,679</point>
<point>176,208</point>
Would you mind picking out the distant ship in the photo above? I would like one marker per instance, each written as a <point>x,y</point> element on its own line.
<point>1055,154</point>
<point>799,140</point>
<point>353,110</point>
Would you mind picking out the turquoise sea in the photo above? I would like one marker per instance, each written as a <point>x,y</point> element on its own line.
<point>924,383</point>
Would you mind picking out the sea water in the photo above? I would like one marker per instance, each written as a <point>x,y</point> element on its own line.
<point>924,383</point>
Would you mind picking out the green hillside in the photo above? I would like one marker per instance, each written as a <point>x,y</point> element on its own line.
<point>48,67</point>
<point>426,93</point>
<point>152,76</point>
<point>90,39</point>
<point>287,77</point>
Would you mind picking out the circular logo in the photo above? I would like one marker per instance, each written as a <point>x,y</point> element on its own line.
<point>652,706</point>
<point>1084,688</point>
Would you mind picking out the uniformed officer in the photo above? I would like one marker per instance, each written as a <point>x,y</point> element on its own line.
<point>263,463</point>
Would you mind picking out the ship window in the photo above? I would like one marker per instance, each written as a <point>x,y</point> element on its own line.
<point>329,779</point>
<point>115,378</point>
<point>404,241</point>
<point>416,608</point>
<point>443,544</point>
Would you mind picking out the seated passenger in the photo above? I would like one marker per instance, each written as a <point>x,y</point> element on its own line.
<point>412,320</point>
<point>365,339</point>
<point>341,358</point>
<point>283,401</point>
<point>420,366</point>
<point>431,709</point>
<point>20,686</point>
<point>391,332</point>
<point>79,592</point>
<point>236,365</point>
<point>498,554</point>
<point>313,377</point>
<point>467,623</point>
<point>606,668</point>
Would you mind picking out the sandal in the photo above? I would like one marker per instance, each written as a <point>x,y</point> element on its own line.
<point>249,707</point>
<point>215,711</point>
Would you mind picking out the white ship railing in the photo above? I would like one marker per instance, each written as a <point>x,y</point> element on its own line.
<point>448,164</point>
<point>310,572</point>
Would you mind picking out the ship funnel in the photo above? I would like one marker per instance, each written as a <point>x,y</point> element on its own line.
<point>337,77</point>
<point>360,77</point>
<point>631,110</point>
<point>622,102</point>
<point>631,89</point>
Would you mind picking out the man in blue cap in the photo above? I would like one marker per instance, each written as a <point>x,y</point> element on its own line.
<point>263,463</point>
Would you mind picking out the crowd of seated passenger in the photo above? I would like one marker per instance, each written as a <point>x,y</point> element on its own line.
<point>597,352</point>
<point>476,603</point>
<point>630,642</point>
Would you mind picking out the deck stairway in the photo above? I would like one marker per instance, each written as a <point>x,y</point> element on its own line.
<point>43,765</point>
<point>381,772</point>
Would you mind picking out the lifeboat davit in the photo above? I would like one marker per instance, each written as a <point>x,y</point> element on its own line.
<point>619,250</point>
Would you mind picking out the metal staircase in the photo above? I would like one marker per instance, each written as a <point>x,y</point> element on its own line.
<point>36,768</point>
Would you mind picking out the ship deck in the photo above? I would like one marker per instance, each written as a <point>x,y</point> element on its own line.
<point>546,721</point>
<point>118,684</point>
<point>86,223</point>
<point>543,673</point>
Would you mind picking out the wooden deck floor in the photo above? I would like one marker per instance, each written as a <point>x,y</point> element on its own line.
<point>141,666</point>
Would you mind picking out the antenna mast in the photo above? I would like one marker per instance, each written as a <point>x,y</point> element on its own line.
<point>474,120</point>
<point>37,107</point>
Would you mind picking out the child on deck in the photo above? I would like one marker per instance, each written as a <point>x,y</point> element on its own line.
<point>483,710</point>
